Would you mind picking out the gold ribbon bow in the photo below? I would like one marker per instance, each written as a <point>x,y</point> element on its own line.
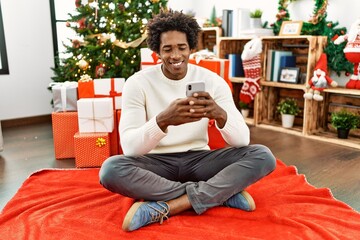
<point>100,142</point>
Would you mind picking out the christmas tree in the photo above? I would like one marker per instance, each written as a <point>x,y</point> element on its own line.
<point>109,38</point>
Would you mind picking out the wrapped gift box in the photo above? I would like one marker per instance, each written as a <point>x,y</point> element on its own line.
<point>65,96</point>
<point>95,115</point>
<point>217,65</point>
<point>105,87</point>
<point>91,149</point>
<point>114,136</point>
<point>215,139</point>
<point>148,58</point>
<point>110,87</point>
<point>86,89</point>
<point>64,126</point>
<point>118,115</point>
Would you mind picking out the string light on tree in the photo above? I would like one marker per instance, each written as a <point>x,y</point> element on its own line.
<point>109,33</point>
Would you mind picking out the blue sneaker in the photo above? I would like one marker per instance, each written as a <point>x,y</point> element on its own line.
<point>241,200</point>
<point>143,213</point>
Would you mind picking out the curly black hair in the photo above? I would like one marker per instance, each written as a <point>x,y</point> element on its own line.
<point>171,20</point>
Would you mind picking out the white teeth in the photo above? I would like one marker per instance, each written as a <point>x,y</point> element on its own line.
<point>177,64</point>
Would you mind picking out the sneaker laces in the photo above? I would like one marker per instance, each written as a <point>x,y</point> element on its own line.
<point>159,215</point>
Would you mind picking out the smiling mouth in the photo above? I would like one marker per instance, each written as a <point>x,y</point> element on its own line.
<point>176,64</point>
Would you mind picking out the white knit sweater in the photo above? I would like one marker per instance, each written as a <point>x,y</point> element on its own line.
<point>148,92</point>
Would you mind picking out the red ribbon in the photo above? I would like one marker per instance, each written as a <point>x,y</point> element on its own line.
<point>155,57</point>
<point>112,92</point>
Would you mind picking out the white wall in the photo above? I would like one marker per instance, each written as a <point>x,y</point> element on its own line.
<point>27,25</point>
<point>337,10</point>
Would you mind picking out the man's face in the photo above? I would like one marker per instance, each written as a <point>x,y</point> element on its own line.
<point>174,53</point>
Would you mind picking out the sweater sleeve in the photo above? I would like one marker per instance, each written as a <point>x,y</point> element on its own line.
<point>235,132</point>
<point>138,136</point>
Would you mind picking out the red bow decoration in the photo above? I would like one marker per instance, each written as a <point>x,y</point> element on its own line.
<point>112,92</point>
<point>155,57</point>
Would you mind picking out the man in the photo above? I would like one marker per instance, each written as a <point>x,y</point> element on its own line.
<point>163,133</point>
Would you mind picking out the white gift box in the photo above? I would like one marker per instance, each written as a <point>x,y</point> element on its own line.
<point>95,115</point>
<point>65,96</point>
<point>148,58</point>
<point>110,87</point>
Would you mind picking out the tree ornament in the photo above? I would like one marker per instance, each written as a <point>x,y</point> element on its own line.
<point>121,7</point>
<point>117,62</point>
<point>154,1</point>
<point>77,3</point>
<point>100,71</point>
<point>75,43</point>
<point>83,65</point>
<point>91,26</point>
<point>81,23</point>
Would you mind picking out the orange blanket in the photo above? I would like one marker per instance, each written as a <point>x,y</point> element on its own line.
<point>71,204</point>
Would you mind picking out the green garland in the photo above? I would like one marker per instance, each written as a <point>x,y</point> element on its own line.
<point>318,26</point>
<point>314,26</point>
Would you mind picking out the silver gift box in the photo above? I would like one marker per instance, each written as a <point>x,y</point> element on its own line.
<point>65,96</point>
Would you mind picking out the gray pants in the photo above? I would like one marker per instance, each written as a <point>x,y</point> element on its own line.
<point>209,178</point>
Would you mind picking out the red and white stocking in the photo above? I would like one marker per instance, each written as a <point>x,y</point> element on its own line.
<point>352,54</point>
<point>251,87</point>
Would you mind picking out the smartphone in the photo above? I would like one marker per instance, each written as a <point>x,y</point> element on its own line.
<point>193,87</point>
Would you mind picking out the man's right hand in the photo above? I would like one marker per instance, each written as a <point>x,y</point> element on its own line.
<point>182,110</point>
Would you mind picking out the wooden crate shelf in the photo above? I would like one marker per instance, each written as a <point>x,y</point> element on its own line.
<point>353,142</point>
<point>341,90</point>
<point>209,38</point>
<point>314,120</point>
<point>283,85</point>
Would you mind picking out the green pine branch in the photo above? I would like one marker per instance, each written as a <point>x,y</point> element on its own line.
<point>125,21</point>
